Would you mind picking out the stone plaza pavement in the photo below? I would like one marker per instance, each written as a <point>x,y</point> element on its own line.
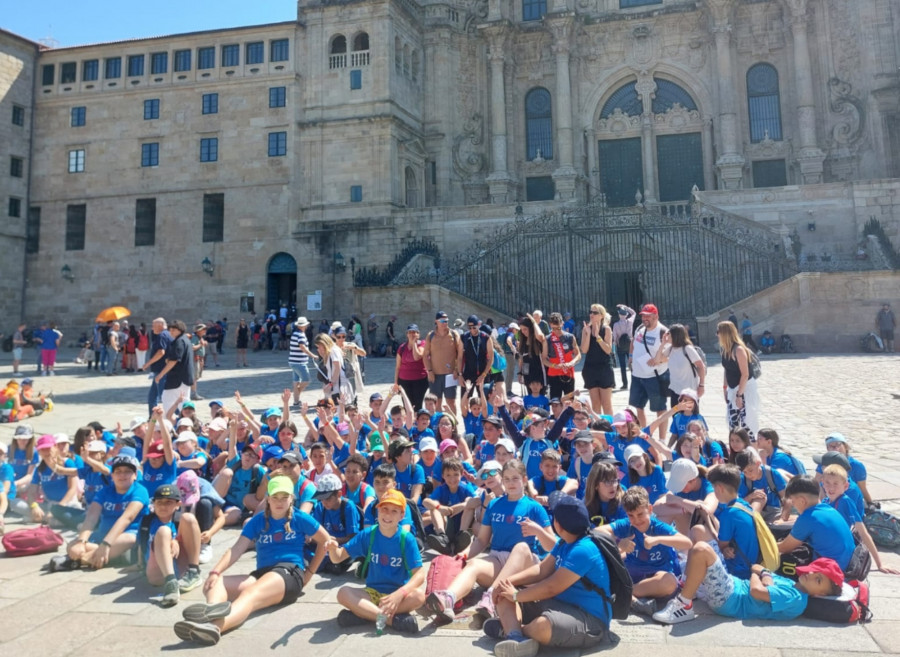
<point>804,397</point>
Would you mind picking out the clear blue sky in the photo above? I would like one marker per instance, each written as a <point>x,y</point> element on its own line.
<point>93,21</point>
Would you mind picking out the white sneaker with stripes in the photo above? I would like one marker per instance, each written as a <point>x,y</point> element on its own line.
<point>675,612</point>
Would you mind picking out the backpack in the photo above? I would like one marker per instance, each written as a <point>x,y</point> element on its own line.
<point>753,364</point>
<point>700,353</point>
<point>344,503</point>
<point>832,610</point>
<point>768,547</point>
<point>363,568</point>
<point>884,528</point>
<point>499,362</point>
<point>798,465</point>
<point>860,562</point>
<point>441,573</point>
<point>623,344</point>
<point>620,583</point>
<point>34,540</point>
<point>708,452</point>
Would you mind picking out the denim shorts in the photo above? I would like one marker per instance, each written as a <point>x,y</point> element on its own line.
<point>300,373</point>
<point>644,390</point>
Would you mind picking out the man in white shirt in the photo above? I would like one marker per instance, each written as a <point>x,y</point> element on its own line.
<point>649,367</point>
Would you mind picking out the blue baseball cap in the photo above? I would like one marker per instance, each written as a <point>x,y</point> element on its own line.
<point>272,452</point>
<point>216,402</point>
<point>274,410</point>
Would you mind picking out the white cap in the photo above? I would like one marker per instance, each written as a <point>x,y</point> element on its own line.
<point>428,444</point>
<point>185,436</point>
<point>683,470</point>
<point>185,422</point>
<point>136,421</point>
<point>97,446</point>
<point>631,451</point>
<point>487,466</point>
<point>508,444</point>
<point>61,438</point>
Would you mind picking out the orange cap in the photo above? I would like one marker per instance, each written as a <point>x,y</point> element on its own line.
<point>394,497</point>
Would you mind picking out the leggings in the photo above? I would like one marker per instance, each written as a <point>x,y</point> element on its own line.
<point>203,511</point>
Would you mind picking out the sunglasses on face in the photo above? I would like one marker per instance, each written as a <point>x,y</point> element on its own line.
<point>442,321</point>
<point>595,312</point>
<point>490,473</point>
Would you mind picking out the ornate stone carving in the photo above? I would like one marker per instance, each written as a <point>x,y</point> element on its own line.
<point>643,46</point>
<point>721,13</point>
<point>843,23</point>
<point>646,89</point>
<point>678,118</point>
<point>797,10</point>
<point>768,149</point>
<point>468,158</point>
<point>619,123</point>
<point>851,110</point>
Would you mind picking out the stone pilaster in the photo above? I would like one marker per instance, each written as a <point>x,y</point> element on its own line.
<point>501,185</point>
<point>810,157</point>
<point>565,176</point>
<point>730,164</point>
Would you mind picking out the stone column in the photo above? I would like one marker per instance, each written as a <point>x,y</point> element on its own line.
<point>646,87</point>
<point>593,179</point>
<point>565,176</point>
<point>810,156</point>
<point>501,186</point>
<point>731,162</point>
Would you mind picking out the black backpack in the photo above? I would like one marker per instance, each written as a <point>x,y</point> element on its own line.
<point>620,584</point>
<point>361,525</point>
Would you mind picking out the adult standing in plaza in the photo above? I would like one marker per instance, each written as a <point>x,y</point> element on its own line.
<point>392,341</point>
<point>623,329</point>
<point>443,352</point>
<point>649,369</point>
<point>410,373</point>
<point>160,339</point>
<point>885,322</point>
<point>741,394</point>
<point>686,368</point>
<point>113,347</point>
<point>477,354</point>
<point>143,346</point>
<point>178,371</point>
<point>560,355</point>
<point>50,340</point>
<point>372,333</point>
<point>597,345</point>
<point>241,343</point>
<point>298,358</point>
<point>19,343</point>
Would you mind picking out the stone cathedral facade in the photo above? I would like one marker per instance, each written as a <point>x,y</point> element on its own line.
<point>233,170</point>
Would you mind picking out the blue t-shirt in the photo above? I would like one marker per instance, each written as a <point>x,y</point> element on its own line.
<point>304,491</point>
<point>155,526</point>
<point>20,462</point>
<point>484,452</point>
<point>539,401</point>
<point>242,481</point>
<point>772,498</point>
<point>581,470</point>
<point>416,436</point>
<point>152,478</point>
<point>337,524</point>
<point>93,482</point>
<point>406,479</point>
<point>54,486</point>
<point>584,559</point>
<point>654,483</point>
<point>274,544</point>
<point>543,486</point>
<point>361,496</point>
<point>8,474</point>
<point>473,425</point>
<point>738,527</point>
<point>196,455</point>
<point>826,531</point>
<point>680,423</point>
<point>785,601</point>
<point>504,516</point>
<point>433,471</point>
<point>389,568</point>
<point>618,443</point>
<point>113,504</point>
<point>783,461</point>
<point>700,494</point>
<point>531,449</point>
<point>610,511</point>
<point>702,461</point>
<point>846,507</point>
<point>656,559</point>
<point>444,497</point>
<point>340,455</point>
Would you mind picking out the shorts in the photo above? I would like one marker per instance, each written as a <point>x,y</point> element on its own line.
<point>887,334</point>
<point>440,388</point>
<point>644,390</point>
<point>374,596</point>
<point>292,576</point>
<point>98,536</point>
<point>17,353</point>
<point>640,573</point>
<point>300,372</point>
<point>48,357</point>
<point>502,556</point>
<point>600,377</point>
<point>571,626</point>
<point>719,585</point>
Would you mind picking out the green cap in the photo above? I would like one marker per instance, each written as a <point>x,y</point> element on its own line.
<point>281,485</point>
<point>375,442</point>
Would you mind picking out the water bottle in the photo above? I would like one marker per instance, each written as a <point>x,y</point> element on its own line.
<point>380,623</point>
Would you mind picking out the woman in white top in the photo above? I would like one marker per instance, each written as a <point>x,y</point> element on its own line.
<point>337,388</point>
<point>686,368</point>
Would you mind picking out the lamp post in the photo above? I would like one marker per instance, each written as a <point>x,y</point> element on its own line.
<point>66,273</point>
<point>208,266</point>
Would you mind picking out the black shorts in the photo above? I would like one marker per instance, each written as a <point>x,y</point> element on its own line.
<point>291,574</point>
<point>598,377</point>
<point>571,626</point>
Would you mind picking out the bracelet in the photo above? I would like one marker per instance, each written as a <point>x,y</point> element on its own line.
<point>700,385</point>
<point>106,543</point>
<point>515,596</point>
<point>33,505</point>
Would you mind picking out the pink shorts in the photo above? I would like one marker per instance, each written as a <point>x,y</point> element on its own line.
<point>48,357</point>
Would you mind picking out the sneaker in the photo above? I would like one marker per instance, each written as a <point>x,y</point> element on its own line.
<point>517,648</point>
<point>203,613</point>
<point>170,594</point>
<point>206,554</point>
<point>347,618</point>
<point>624,387</point>
<point>189,581</point>
<point>52,373</point>
<point>62,563</point>
<point>493,628</point>
<point>438,542</point>
<point>675,612</point>
<point>405,623</point>
<point>462,541</point>
<point>206,634</point>
<point>440,603</point>
<point>644,606</point>
<point>485,608</point>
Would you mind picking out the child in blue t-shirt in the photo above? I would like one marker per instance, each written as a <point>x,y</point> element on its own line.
<point>649,546</point>
<point>410,476</point>
<point>535,399</point>
<point>762,487</point>
<point>355,489</point>
<point>445,506</point>
<point>7,484</point>
<point>737,537</point>
<point>582,460</point>
<point>643,472</point>
<point>163,565</point>
<point>430,463</point>
<point>340,517</point>
<point>158,466</point>
<point>385,479</point>
<point>393,571</point>
<point>551,479</point>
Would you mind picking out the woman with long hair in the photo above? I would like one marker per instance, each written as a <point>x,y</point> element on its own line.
<point>741,394</point>
<point>333,368</point>
<point>686,368</point>
<point>596,345</point>
<point>531,341</point>
<point>409,371</point>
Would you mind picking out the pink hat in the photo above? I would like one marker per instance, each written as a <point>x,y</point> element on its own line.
<point>46,442</point>
<point>189,487</point>
<point>447,444</point>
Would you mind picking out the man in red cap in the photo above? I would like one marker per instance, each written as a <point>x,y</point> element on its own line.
<point>649,366</point>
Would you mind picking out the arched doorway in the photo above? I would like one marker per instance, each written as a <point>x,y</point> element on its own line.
<point>281,282</point>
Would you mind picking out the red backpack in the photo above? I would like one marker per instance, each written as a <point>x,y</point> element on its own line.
<point>832,610</point>
<point>25,542</point>
<point>441,574</point>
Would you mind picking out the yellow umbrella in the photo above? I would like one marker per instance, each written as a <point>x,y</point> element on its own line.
<point>113,313</point>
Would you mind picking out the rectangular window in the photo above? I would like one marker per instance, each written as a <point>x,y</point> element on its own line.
<point>231,55</point>
<point>75,219</point>
<point>18,115</point>
<point>540,188</point>
<point>356,79</point>
<point>68,72</point>
<point>182,60</point>
<point>135,65</point>
<point>210,103</point>
<point>209,149</point>
<point>256,53</point>
<point>213,217</point>
<point>78,116</point>
<point>769,173</point>
<point>277,96</point>
<point>159,63</point>
<point>625,4</point>
<point>15,207</point>
<point>16,166</point>
<point>151,109</point>
<point>145,222</point>
<point>48,74</point>
<point>206,57</point>
<point>76,161</point>
<point>113,68</point>
<point>90,70</point>
<point>356,193</point>
<point>277,144</point>
<point>533,10</point>
<point>150,154</point>
<point>33,230</point>
<point>279,50</point>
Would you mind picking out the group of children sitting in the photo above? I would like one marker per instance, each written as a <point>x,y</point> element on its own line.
<point>514,498</point>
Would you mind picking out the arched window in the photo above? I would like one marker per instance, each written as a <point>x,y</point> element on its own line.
<point>764,103</point>
<point>338,45</point>
<point>412,188</point>
<point>625,98</point>
<point>360,42</point>
<point>669,93</point>
<point>539,124</point>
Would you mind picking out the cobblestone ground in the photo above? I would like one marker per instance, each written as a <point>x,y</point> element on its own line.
<point>114,612</point>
